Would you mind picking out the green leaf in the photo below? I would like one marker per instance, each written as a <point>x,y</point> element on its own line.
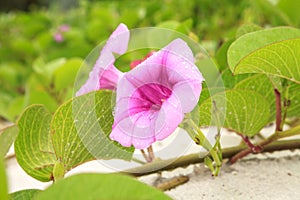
<point>100,186</point>
<point>33,146</point>
<point>269,12</point>
<point>3,181</point>
<point>80,130</point>
<point>250,42</point>
<point>38,93</point>
<point>24,194</point>
<point>15,107</point>
<point>47,69</point>
<point>261,84</point>
<point>290,8</point>
<point>247,28</point>
<point>278,59</point>
<point>210,71</point>
<point>58,171</point>
<point>294,100</point>
<point>221,55</point>
<point>229,80</point>
<point>172,24</point>
<point>206,93</point>
<point>246,112</point>
<point>65,75</point>
<point>7,137</point>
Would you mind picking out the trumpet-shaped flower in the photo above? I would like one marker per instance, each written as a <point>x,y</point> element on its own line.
<point>153,97</point>
<point>104,74</point>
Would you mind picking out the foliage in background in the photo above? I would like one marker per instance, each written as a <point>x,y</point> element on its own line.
<point>33,64</point>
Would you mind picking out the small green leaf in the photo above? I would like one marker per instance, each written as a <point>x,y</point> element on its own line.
<point>278,59</point>
<point>7,137</point>
<point>38,93</point>
<point>47,69</point>
<point>80,130</point>
<point>246,112</point>
<point>65,75</point>
<point>250,42</point>
<point>229,80</point>
<point>15,107</point>
<point>3,181</point>
<point>247,28</point>
<point>24,194</point>
<point>221,55</point>
<point>210,71</point>
<point>209,163</point>
<point>33,146</point>
<point>58,171</point>
<point>100,186</point>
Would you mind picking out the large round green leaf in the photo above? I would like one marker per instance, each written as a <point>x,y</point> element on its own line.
<point>80,130</point>
<point>261,84</point>
<point>47,147</point>
<point>251,42</point>
<point>264,85</point>
<point>100,186</point>
<point>279,59</point>
<point>33,146</point>
<point>246,112</point>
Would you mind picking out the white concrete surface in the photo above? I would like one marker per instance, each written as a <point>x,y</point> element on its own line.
<point>263,176</point>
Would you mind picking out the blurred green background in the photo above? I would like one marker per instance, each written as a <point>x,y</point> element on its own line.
<point>43,43</point>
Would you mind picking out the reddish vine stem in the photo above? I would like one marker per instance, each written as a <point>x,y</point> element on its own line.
<point>247,151</point>
<point>278,110</point>
<point>253,148</point>
<point>258,148</point>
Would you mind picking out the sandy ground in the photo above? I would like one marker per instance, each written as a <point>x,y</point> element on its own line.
<point>271,176</point>
<point>263,176</point>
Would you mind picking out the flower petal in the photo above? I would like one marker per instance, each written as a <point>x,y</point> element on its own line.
<point>118,40</point>
<point>104,74</point>
<point>134,130</point>
<point>169,117</point>
<point>174,67</point>
<point>144,128</point>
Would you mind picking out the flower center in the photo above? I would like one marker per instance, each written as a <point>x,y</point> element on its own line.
<point>147,100</point>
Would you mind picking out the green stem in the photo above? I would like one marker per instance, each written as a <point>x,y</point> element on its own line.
<point>138,161</point>
<point>200,136</point>
<point>206,144</point>
<point>291,132</point>
<point>160,165</point>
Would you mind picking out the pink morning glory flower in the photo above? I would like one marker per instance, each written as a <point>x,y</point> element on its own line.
<point>58,37</point>
<point>64,28</point>
<point>104,74</point>
<point>153,97</point>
